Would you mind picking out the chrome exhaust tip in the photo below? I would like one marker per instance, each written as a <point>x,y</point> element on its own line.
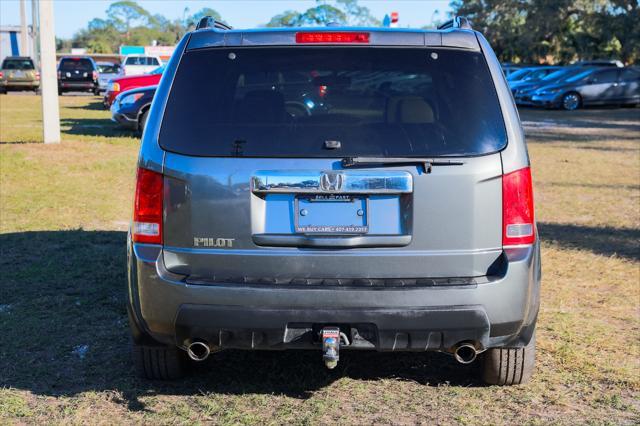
<point>465,353</point>
<point>198,350</point>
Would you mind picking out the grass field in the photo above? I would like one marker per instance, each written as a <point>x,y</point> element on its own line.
<point>64,335</point>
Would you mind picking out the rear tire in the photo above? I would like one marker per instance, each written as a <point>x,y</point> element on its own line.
<point>509,366</point>
<point>158,362</point>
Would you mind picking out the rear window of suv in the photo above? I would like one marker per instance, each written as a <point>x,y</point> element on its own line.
<point>72,64</point>
<point>287,102</point>
<point>142,60</point>
<point>17,64</point>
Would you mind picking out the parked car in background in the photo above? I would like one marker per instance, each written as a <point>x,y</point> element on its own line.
<point>522,91</point>
<point>131,108</point>
<point>600,63</point>
<point>106,72</point>
<point>18,73</point>
<point>77,74</point>
<point>121,84</point>
<point>508,68</point>
<point>140,64</point>
<point>595,86</point>
<point>398,217</point>
<point>531,73</point>
<point>518,74</point>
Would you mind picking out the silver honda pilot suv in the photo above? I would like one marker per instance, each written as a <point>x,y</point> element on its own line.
<point>334,189</point>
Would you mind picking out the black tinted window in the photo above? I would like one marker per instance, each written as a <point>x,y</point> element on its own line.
<point>108,68</point>
<point>141,60</point>
<point>609,76</point>
<point>287,102</point>
<point>630,75</point>
<point>538,74</point>
<point>73,64</point>
<point>17,64</point>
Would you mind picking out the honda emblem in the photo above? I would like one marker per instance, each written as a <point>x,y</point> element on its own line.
<point>330,181</point>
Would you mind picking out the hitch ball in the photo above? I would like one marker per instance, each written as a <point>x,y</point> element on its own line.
<point>330,346</point>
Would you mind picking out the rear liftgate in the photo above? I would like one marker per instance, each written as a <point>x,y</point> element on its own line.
<point>333,209</point>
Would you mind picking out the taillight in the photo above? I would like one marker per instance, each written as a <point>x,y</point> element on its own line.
<point>59,74</point>
<point>95,75</point>
<point>517,208</point>
<point>37,75</point>
<point>147,210</point>
<point>1,74</point>
<point>332,37</point>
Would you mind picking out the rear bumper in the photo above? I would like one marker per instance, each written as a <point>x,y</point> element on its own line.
<point>19,85</point>
<point>77,85</point>
<point>494,313</point>
<point>400,329</point>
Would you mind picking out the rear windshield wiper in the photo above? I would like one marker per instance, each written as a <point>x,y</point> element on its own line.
<point>426,163</point>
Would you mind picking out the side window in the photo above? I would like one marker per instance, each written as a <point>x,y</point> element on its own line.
<point>608,76</point>
<point>630,75</point>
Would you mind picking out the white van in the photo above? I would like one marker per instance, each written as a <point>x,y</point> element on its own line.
<point>139,64</point>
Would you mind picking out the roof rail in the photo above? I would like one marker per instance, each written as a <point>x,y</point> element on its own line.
<point>456,22</point>
<point>209,22</point>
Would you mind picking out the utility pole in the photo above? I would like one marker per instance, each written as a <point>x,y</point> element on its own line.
<point>34,33</point>
<point>48,75</point>
<point>24,44</point>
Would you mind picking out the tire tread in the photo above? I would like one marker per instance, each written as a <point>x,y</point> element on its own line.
<point>509,366</point>
<point>158,362</point>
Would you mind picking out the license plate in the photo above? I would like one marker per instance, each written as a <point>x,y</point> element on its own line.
<point>331,214</point>
<point>18,74</point>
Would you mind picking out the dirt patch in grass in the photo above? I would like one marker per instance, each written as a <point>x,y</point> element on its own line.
<point>63,346</point>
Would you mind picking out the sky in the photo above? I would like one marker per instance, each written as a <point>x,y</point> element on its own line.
<point>73,15</point>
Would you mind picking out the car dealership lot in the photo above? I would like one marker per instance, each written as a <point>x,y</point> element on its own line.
<point>63,218</point>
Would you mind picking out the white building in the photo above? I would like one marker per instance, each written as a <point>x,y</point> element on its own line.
<point>10,42</point>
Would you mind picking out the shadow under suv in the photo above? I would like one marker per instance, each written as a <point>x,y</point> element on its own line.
<point>334,189</point>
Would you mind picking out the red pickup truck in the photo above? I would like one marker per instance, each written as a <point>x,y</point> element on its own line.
<point>122,84</point>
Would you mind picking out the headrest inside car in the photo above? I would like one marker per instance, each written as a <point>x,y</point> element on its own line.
<point>415,111</point>
<point>409,110</point>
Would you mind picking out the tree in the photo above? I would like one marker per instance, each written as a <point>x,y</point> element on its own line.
<point>196,17</point>
<point>358,15</point>
<point>288,18</point>
<point>344,12</point>
<point>129,23</point>
<point>125,13</point>
<point>535,31</point>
